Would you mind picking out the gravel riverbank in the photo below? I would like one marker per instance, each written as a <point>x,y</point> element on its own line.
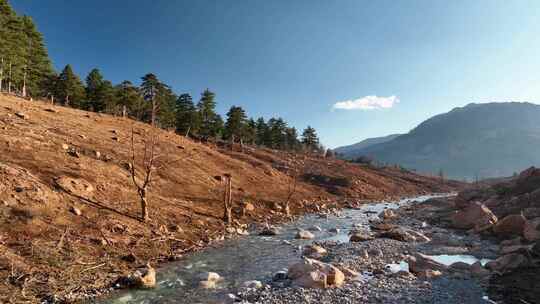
<point>381,282</point>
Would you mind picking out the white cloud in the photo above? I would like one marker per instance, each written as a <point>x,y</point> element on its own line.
<point>367,103</point>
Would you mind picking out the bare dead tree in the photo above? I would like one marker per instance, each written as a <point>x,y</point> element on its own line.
<point>1,72</point>
<point>150,163</point>
<point>9,80</point>
<point>294,171</point>
<point>227,199</point>
<point>142,180</point>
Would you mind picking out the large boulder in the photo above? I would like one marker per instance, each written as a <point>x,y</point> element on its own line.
<point>466,197</point>
<point>476,215</point>
<point>511,225</point>
<point>508,262</point>
<point>531,230</point>
<point>419,263</point>
<point>309,273</point>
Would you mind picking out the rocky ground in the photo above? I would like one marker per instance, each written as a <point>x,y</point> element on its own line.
<point>430,228</point>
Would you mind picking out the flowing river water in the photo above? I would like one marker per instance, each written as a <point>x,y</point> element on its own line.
<point>254,258</point>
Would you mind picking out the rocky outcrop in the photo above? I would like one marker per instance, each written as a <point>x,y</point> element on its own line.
<point>476,216</point>
<point>511,225</point>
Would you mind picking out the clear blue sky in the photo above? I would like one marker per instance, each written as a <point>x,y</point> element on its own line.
<point>296,59</point>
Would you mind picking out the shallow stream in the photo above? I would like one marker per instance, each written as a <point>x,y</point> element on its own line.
<point>252,258</point>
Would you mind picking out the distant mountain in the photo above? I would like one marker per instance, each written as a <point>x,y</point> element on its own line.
<point>475,141</point>
<point>354,150</point>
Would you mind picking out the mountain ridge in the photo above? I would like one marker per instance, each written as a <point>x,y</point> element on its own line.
<point>468,142</point>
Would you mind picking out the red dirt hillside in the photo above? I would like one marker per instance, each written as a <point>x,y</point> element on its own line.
<point>57,161</point>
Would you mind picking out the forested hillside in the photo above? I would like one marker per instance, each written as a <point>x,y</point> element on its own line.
<point>26,71</point>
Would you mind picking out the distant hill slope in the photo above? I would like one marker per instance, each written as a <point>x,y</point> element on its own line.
<point>354,150</point>
<point>478,140</point>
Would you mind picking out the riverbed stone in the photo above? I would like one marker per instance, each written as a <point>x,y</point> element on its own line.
<point>360,237</point>
<point>508,262</point>
<point>420,262</point>
<point>304,234</point>
<point>531,230</point>
<point>313,279</point>
<point>270,231</point>
<point>478,270</point>
<point>254,284</point>
<point>314,251</point>
<point>145,277</point>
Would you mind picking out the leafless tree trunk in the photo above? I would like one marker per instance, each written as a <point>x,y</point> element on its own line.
<point>295,170</point>
<point>9,81</point>
<point>124,111</point>
<point>148,166</point>
<point>227,199</point>
<point>24,84</point>
<point>232,142</point>
<point>1,73</point>
<point>187,132</point>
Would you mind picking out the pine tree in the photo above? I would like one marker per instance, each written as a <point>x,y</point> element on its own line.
<point>310,139</point>
<point>277,127</point>
<point>129,101</point>
<point>150,88</point>
<point>94,91</point>
<point>206,107</point>
<point>69,88</point>
<point>251,131</point>
<point>216,127</point>
<point>236,124</point>
<point>37,65</point>
<point>167,106</point>
<point>187,118</point>
<point>291,139</point>
<point>24,63</point>
<point>262,132</point>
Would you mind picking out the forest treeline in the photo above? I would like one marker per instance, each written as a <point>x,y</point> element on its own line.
<point>26,70</point>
